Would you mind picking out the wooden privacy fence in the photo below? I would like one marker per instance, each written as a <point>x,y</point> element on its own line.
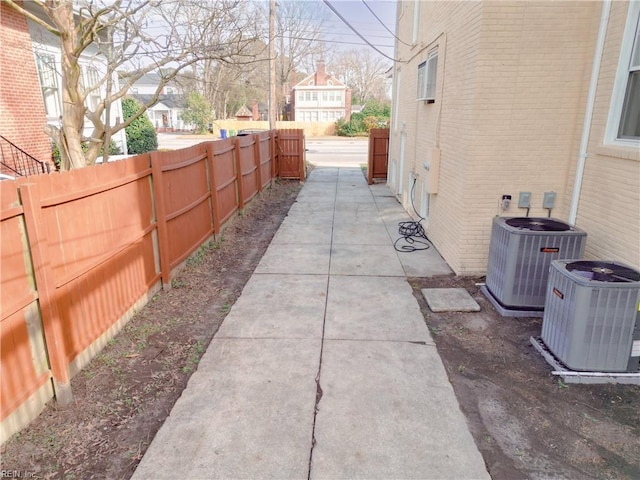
<point>378,154</point>
<point>83,249</point>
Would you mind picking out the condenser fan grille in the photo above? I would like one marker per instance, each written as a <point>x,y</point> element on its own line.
<point>538,224</point>
<point>603,271</point>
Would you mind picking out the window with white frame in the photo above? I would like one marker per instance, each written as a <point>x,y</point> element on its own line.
<point>623,124</point>
<point>427,75</point>
<point>91,80</point>
<point>630,119</point>
<point>48,76</point>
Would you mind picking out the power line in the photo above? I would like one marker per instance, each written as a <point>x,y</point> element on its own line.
<point>383,24</point>
<point>344,20</point>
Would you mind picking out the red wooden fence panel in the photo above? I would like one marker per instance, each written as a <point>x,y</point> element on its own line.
<point>226,180</point>
<point>99,223</point>
<point>247,167</point>
<point>263,141</point>
<point>184,204</point>
<point>23,362</point>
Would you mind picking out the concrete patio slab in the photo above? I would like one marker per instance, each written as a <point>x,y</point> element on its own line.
<point>278,306</point>
<point>423,263</point>
<point>368,260</point>
<point>374,308</point>
<point>354,234</point>
<point>307,233</point>
<point>245,395</point>
<point>389,411</point>
<point>296,259</point>
<point>450,300</point>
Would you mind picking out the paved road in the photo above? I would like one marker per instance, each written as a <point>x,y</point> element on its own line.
<point>337,151</point>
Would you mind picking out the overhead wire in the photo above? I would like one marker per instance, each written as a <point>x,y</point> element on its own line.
<point>364,39</point>
<point>383,24</point>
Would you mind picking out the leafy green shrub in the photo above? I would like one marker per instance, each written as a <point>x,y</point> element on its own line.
<point>141,135</point>
<point>198,112</point>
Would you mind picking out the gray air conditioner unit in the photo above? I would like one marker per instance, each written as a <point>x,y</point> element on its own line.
<point>591,318</point>
<point>520,253</point>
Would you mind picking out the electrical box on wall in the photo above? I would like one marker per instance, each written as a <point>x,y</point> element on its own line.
<point>432,170</point>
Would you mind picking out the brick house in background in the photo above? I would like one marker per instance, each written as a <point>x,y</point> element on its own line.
<point>498,95</point>
<point>22,112</point>
<point>320,97</point>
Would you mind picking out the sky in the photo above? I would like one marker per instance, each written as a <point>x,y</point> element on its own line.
<point>360,17</point>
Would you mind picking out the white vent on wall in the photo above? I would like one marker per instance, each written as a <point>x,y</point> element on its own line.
<point>591,316</point>
<point>520,253</point>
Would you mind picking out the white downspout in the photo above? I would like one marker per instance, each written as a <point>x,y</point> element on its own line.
<point>588,114</point>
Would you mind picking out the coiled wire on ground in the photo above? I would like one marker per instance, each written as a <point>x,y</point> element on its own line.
<point>412,232</point>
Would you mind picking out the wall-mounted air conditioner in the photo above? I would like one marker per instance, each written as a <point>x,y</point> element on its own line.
<point>520,254</point>
<point>591,316</point>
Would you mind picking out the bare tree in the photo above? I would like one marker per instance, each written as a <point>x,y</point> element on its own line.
<point>364,73</point>
<point>299,40</point>
<point>135,36</point>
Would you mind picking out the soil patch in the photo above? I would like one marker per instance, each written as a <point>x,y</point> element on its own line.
<point>526,422</point>
<point>122,398</point>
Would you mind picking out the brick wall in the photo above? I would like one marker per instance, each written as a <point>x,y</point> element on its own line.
<point>609,208</point>
<point>512,87</point>
<point>22,118</point>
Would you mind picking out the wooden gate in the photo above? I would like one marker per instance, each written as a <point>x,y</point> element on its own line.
<point>378,154</point>
<point>290,146</point>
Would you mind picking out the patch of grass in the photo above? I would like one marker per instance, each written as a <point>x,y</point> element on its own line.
<point>225,308</point>
<point>561,384</point>
<point>194,357</point>
<point>177,283</point>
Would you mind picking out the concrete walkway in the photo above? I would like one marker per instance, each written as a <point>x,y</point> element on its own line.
<point>324,368</point>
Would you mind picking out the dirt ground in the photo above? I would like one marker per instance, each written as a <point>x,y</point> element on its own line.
<point>122,398</point>
<point>526,423</point>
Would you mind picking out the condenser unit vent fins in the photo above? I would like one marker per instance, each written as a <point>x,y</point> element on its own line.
<point>591,320</point>
<point>520,253</point>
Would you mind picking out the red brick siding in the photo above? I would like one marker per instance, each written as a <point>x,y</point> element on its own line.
<point>22,114</point>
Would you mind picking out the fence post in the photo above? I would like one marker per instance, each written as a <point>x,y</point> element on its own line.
<point>47,296</point>
<point>239,175</point>
<point>274,153</point>
<point>213,187</point>
<point>258,160</point>
<point>301,152</point>
<point>161,218</point>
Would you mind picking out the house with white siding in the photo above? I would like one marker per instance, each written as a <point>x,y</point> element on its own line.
<point>320,97</point>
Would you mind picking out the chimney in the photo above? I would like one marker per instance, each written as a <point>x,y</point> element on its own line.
<point>321,74</point>
<point>255,111</point>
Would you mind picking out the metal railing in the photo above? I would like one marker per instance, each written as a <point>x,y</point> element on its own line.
<point>17,163</point>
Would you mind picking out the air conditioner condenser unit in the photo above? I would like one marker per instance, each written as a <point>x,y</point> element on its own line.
<point>591,317</point>
<point>520,254</point>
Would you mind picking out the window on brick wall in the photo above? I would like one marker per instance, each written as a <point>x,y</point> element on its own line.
<point>623,125</point>
<point>427,74</point>
<point>48,77</point>
<point>630,118</point>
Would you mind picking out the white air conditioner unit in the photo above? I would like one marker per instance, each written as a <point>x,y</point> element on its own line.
<point>520,253</point>
<point>591,316</point>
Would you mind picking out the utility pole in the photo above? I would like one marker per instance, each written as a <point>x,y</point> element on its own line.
<point>272,65</point>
